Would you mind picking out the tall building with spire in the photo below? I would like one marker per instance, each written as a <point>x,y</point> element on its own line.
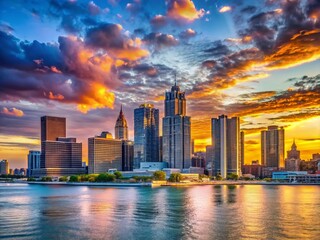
<point>121,127</point>
<point>292,161</point>
<point>176,125</point>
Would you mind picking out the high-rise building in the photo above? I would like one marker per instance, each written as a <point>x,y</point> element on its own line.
<point>160,149</point>
<point>226,144</point>
<point>209,156</point>
<point>292,162</point>
<point>242,148</point>
<point>121,127</point>
<point>127,155</point>
<point>272,147</point>
<point>52,128</point>
<point>176,130</point>
<point>4,167</point>
<point>146,134</point>
<point>104,153</point>
<point>33,161</point>
<point>59,155</point>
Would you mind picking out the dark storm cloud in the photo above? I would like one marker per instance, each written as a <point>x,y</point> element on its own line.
<point>249,9</point>
<point>160,40</point>
<point>217,49</point>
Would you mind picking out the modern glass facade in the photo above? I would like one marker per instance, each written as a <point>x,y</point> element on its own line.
<point>272,147</point>
<point>104,154</point>
<point>176,140</point>
<point>146,134</point>
<point>226,143</point>
<point>33,161</point>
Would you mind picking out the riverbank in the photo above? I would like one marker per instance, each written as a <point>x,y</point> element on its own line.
<point>168,184</point>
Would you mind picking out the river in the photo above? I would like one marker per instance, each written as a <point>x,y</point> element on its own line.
<point>198,212</point>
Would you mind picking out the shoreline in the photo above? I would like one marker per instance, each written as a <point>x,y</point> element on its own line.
<point>167,184</point>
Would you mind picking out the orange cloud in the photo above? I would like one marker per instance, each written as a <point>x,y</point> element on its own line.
<point>184,10</point>
<point>55,69</point>
<point>12,112</point>
<point>55,97</point>
<point>225,9</point>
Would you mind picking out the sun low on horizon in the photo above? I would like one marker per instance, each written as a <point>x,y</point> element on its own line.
<point>82,60</point>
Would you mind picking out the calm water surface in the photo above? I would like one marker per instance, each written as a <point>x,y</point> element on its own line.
<point>200,212</point>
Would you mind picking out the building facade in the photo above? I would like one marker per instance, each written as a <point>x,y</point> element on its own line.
<point>121,127</point>
<point>104,153</point>
<point>127,155</point>
<point>176,125</point>
<point>4,167</point>
<point>146,134</point>
<point>272,147</point>
<point>226,143</point>
<point>292,162</point>
<point>33,161</point>
<point>59,155</point>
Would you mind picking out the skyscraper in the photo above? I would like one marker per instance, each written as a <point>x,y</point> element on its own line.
<point>127,155</point>
<point>242,142</point>
<point>226,144</point>
<point>59,155</point>
<point>104,153</point>
<point>52,128</point>
<point>121,127</point>
<point>272,147</point>
<point>33,161</point>
<point>176,125</point>
<point>146,134</point>
<point>4,167</point>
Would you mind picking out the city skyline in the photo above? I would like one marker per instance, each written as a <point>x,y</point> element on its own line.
<point>257,60</point>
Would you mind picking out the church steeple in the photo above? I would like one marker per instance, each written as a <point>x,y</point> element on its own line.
<point>294,146</point>
<point>121,127</point>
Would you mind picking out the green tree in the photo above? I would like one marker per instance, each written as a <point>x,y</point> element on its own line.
<point>117,174</point>
<point>84,178</point>
<point>63,179</point>
<point>31,179</point>
<point>218,177</point>
<point>232,176</point>
<point>74,178</point>
<point>159,175</point>
<point>175,177</point>
<point>46,179</point>
<point>92,177</point>
<point>105,177</point>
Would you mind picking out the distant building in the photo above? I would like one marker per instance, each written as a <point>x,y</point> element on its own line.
<point>127,155</point>
<point>153,166</point>
<point>160,149</point>
<point>209,154</point>
<point>16,171</point>
<point>146,134</point>
<point>226,142</point>
<point>33,161</point>
<point>23,172</point>
<point>59,155</point>
<point>176,130</point>
<point>4,167</point>
<point>192,146</point>
<point>254,169</point>
<point>104,153</point>
<point>315,157</point>
<point>121,127</point>
<point>242,142</point>
<point>272,147</point>
<point>199,160</point>
<point>292,162</point>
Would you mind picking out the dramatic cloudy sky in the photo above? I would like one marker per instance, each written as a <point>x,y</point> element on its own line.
<point>259,60</point>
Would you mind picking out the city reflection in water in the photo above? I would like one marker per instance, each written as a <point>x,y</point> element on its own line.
<point>199,212</point>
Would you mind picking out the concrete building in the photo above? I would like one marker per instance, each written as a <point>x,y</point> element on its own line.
<point>292,162</point>
<point>153,166</point>
<point>199,160</point>
<point>33,161</point>
<point>4,167</point>
<point>52,128</point>
<point>146,134</point>
<point>176,130</point>
<point>121,127</point>
<point>254,169</point>
<point>226,143</point>
<point>272,147</point>
<point>104,153</point>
